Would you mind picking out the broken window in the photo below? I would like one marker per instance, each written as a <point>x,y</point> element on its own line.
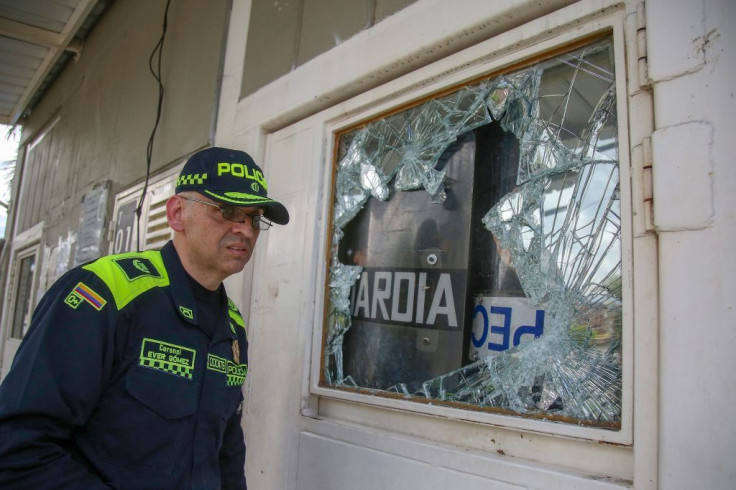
<point>476,247</point>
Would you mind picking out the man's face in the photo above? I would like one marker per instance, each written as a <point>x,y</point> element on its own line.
<point>215,248</point>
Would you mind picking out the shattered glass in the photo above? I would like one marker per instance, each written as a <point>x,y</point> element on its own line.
<point>342,279</point>
<point>551,234</point>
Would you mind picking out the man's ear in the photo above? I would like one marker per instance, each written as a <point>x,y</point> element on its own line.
<point>174,211</point>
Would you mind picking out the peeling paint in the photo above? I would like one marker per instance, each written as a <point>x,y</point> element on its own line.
<point>55,262</point>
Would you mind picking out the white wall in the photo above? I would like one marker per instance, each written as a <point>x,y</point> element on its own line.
<point>682,436</point>
<point>692,64</point>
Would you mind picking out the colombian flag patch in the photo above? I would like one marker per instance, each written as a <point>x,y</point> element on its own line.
<point>83,293</point>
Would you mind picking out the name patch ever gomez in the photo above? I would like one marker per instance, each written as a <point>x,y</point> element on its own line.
<point>166,357</point>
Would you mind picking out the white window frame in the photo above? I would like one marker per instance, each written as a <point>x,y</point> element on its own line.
<point>153,223</point>
<point>26,244</point>
<point>20,255</point>
<point>492,56</point>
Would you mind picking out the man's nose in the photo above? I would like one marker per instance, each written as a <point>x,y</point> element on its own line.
<point>245,228</point>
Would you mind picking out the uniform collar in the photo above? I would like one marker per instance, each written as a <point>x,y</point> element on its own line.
<point>183,295</point>
<point>180,289</point>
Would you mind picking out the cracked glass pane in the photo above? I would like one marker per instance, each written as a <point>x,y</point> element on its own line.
<point>476,248</point>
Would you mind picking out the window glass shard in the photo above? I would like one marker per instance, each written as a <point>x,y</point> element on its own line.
<point>466,109</point>
<point>476,248</point>
<point>425,136</point>
<point>342,279</point>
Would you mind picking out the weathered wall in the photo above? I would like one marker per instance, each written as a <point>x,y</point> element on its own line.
<point>685,441</point>
<point>93,125</point>
<point>285,35</point>
<point>298,436</point>
<point>106,105</point>
<point>692,64</point>
<point>683,435</point>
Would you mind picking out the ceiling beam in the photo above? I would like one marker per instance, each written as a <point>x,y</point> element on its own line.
<point>60,42</point>
<point>30,34</point>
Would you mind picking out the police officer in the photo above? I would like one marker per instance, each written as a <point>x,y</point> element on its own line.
<point>130,374</point>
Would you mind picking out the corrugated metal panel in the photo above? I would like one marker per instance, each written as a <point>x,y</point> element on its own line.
<point>33,35</point>
<point>50,15</point>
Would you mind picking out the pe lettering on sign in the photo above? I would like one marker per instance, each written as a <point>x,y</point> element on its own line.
<point>500,323</point>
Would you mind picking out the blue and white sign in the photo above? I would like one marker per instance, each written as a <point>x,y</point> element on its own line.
<point>500,323</point>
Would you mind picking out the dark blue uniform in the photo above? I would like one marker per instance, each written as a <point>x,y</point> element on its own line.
<point>117,386</point>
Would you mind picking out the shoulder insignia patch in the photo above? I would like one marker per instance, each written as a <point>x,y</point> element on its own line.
<point>83,293</point>
<point>231,305</point>
<point>235,315</point>
<point>135,267</point>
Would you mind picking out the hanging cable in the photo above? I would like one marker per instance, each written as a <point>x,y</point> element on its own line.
<point>149,150</point>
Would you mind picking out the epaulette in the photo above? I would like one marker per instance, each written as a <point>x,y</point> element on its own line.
<point>129,275</point>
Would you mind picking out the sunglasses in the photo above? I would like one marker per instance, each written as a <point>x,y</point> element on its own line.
<point>236,214</point>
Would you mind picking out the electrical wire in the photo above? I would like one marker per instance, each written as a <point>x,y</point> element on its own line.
<point>158,49</point>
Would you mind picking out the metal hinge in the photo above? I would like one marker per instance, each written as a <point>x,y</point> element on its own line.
<point>641,46</point>
<point>647,187</point>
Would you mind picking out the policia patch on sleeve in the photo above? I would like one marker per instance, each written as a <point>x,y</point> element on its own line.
<point>84,294</point>
<point>135,267</point>
<point>235,373</point>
